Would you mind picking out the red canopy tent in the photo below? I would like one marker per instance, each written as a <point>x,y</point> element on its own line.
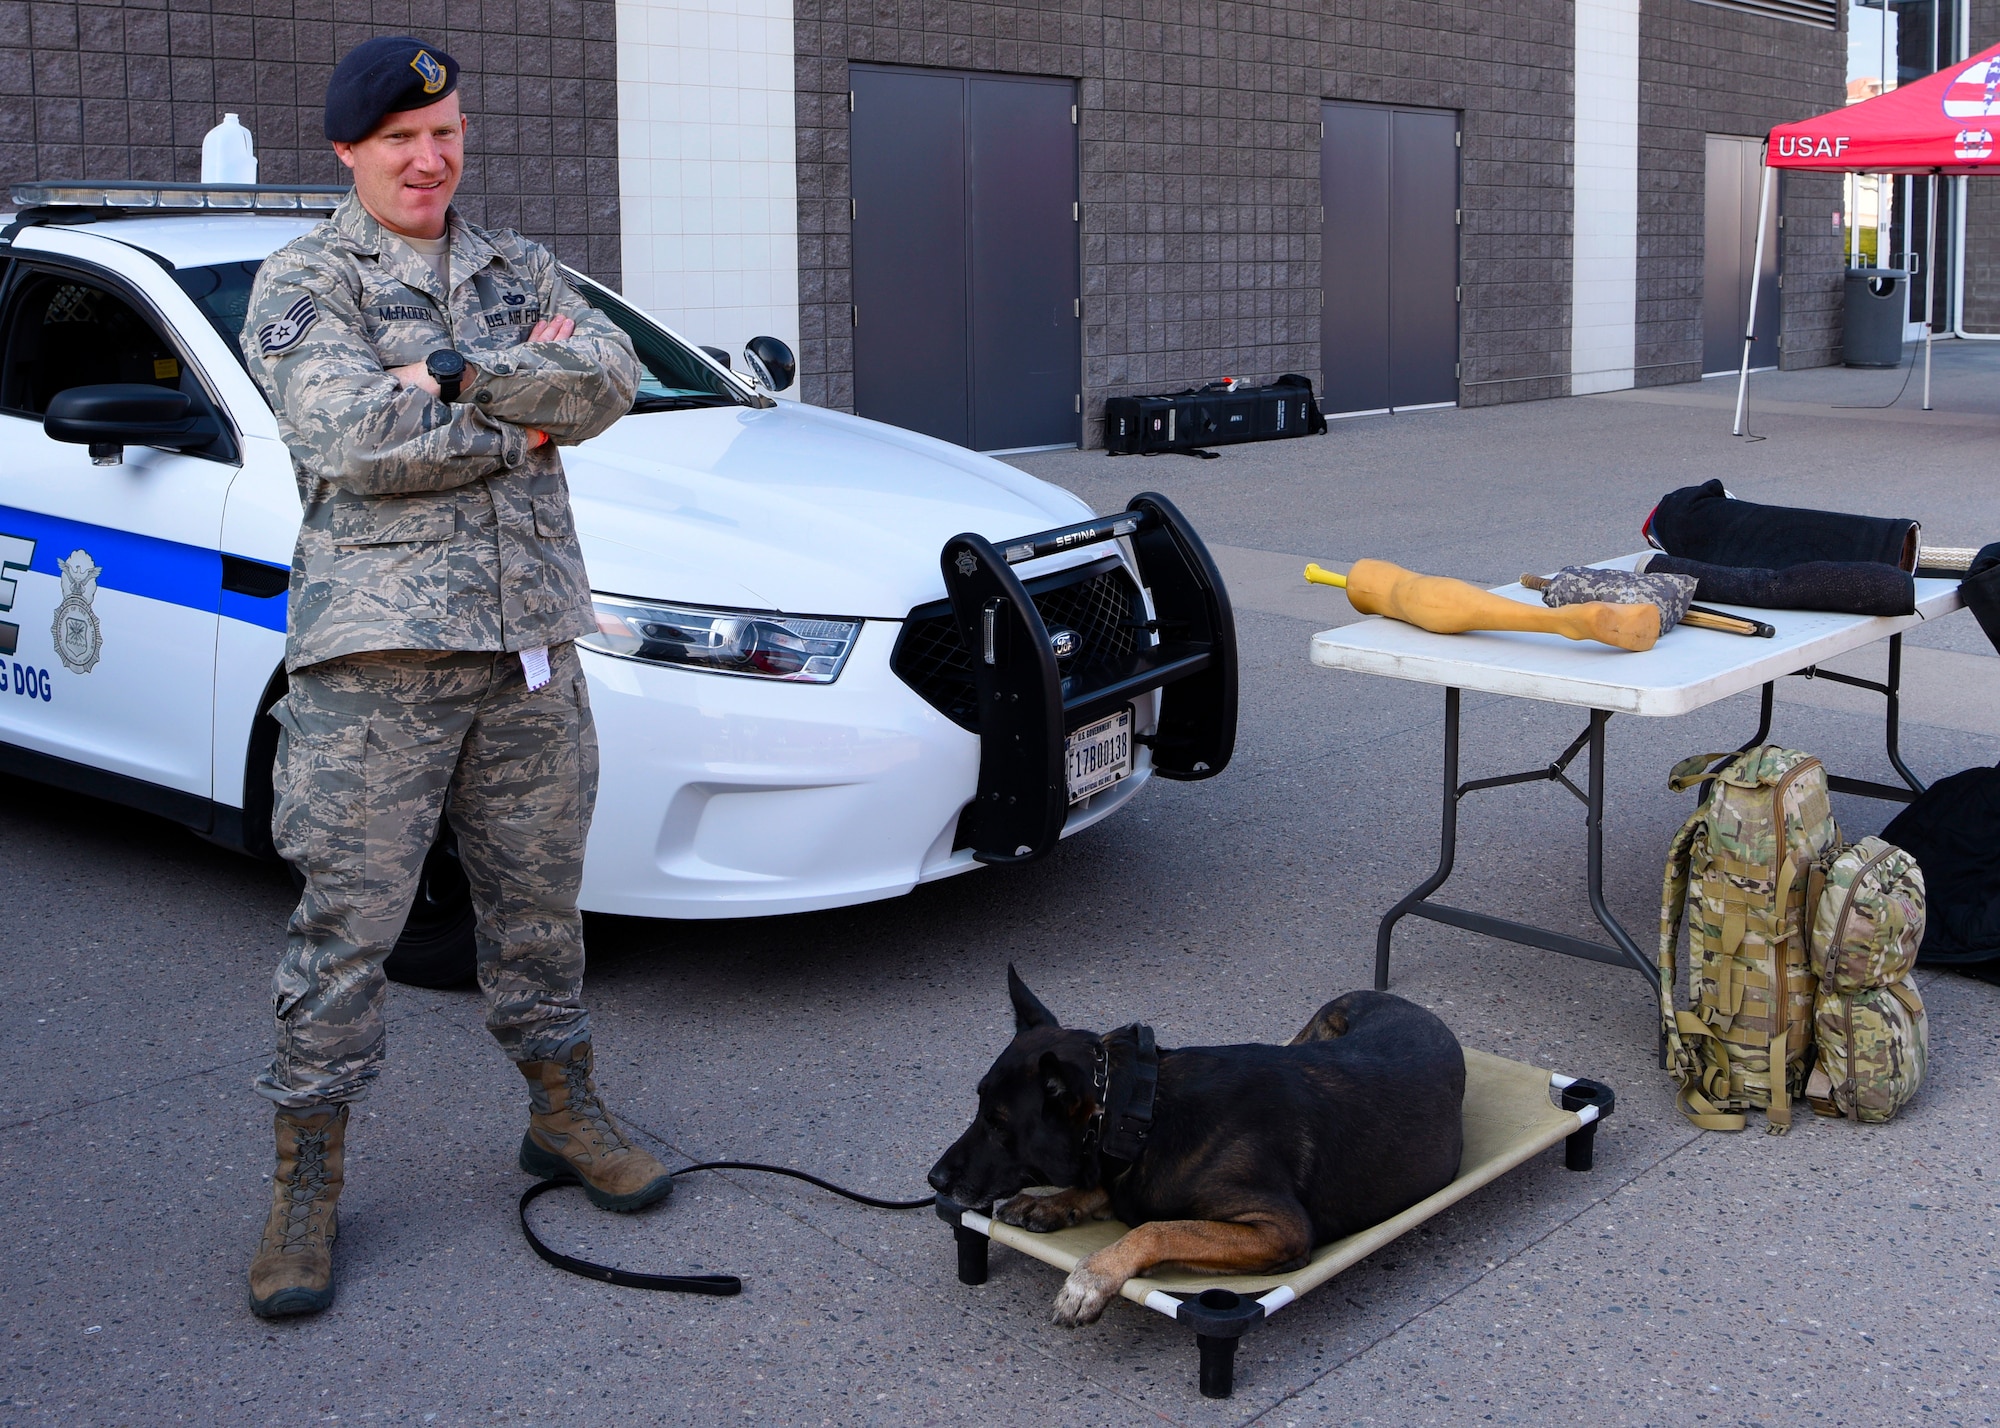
<point>1941,124</point>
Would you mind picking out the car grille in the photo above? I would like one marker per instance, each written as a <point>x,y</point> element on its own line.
<point>1099,602</point>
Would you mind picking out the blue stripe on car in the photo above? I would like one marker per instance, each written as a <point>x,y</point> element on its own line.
<point>167,570</point>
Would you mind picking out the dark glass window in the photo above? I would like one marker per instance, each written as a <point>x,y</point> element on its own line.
<point>222,292</point>
<point>65,332</point>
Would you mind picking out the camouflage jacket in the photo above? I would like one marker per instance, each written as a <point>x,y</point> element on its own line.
<point>427,525</point>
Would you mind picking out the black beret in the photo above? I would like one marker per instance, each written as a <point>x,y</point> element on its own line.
<point>385,75</point>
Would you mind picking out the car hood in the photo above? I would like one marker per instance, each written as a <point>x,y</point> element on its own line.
<point>792,508</point>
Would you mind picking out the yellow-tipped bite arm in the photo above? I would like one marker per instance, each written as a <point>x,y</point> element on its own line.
<point>1452,607</point>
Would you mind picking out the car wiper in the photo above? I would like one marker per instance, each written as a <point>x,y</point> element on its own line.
<point>682,403</point>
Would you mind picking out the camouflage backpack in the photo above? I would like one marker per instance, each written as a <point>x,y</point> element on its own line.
<point>1869,1019</point>
<point>1740,866</point>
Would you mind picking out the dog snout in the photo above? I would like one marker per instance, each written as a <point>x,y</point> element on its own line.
<point>940,1180</point>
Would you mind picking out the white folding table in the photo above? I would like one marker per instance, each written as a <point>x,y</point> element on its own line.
<point>1687,669</point>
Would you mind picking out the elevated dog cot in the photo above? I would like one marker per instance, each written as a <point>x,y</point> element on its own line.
<point>1509,1119</point>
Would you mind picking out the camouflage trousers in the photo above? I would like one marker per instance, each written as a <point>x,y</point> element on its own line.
<point>373,749</point>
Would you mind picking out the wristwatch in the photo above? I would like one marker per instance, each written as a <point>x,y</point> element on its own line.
<point>447,369</point>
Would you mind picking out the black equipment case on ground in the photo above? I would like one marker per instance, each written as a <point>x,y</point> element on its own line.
<point>1211,416</point>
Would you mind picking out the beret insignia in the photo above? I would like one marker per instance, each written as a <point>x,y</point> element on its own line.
<point>429,70</point>
<point>287,332</point>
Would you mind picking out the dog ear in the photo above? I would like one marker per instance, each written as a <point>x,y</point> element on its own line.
<point>1029,1013</point>
<point>1059,1083</point>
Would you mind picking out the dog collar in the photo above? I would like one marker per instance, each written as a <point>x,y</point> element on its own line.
<point>1126,1077</point>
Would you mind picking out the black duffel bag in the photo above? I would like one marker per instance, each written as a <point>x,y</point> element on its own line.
<point>1216,415</point>
<point>1981,591</point>
<point>1953,831</point>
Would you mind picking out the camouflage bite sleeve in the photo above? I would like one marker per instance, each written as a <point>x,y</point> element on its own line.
<point>364,430</point>
<point>573,389</point>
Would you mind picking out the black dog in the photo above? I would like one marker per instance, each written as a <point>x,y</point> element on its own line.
<point>1254,1154</point>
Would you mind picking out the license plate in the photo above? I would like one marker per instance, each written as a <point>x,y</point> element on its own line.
<point>1098,755</point>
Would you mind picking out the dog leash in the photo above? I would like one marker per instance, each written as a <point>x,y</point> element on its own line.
<point>720,1286</point>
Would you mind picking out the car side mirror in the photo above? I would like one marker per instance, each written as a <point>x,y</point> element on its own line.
<point>112,416</point>
<point>771,363</point>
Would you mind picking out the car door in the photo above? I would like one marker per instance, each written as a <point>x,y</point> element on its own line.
<point>111,569</point>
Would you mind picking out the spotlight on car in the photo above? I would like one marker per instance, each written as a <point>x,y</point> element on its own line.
<point>771,362</point>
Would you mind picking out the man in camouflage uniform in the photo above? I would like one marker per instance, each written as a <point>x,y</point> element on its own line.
<point>436,590</point>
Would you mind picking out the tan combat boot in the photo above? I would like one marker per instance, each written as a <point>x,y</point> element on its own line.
<point>571,1136</point>
<point>292,1272</point>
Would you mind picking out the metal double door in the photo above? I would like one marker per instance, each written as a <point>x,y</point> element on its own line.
<point>967,321</point>
<point>1389,257</point>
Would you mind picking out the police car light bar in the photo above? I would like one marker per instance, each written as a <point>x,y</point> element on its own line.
<point>179,197</point>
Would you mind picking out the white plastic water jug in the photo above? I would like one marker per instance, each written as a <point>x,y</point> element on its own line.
<point>227,155</point>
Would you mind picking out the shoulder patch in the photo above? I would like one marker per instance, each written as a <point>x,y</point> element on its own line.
<point>287,331</point>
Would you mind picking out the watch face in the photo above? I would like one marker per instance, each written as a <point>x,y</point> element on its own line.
<point>445,365</point>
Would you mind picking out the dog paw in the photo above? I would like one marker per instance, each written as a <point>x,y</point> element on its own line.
<point>1018,1210</point>
<point>1039,1213</point>
<point>1083,1297</point>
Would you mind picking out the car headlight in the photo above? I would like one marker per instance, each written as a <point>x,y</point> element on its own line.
<point>805,649</point>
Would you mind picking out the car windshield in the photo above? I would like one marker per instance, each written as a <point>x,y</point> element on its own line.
<point>673,378</point>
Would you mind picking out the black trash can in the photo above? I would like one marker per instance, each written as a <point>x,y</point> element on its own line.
<point>1878,303</point>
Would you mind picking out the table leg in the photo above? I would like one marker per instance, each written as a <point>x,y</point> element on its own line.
<point>1447,846</point>
<point>1891,690</point>
<point>1893,725</point>
<point>1763,726</point>
<point>1594,822</point>
<point>1625,952</point>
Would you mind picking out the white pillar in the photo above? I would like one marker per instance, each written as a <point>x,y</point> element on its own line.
<point>1604,287</point>
<point>708,167</point>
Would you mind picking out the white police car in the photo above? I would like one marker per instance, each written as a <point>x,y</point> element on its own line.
<point>835,659</point>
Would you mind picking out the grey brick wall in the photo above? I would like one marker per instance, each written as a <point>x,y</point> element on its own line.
<point>1200,170</point>
<point>1982,256</point>
<point>1199,133</point>
<point>126,90</point>
<point>1508,69</point>
<point>1982,208</point>
<point>1706,70</point>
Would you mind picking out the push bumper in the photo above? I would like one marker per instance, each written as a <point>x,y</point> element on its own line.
<point>1186,650</point>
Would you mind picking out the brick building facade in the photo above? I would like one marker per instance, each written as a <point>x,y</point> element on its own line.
<point>1981,301</point>
<point>1199,135</point>
<point>127,89</point>
<point>696,151</point>
<point>1707,70</point>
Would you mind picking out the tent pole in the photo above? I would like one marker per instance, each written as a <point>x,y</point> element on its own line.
<point>1930,286</point>
<point>1756,274</point>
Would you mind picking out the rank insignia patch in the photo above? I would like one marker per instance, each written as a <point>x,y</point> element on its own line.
<point>429,70</point>
<point>284,334</point>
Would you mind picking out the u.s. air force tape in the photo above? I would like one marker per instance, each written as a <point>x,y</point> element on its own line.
<point>287,331</point>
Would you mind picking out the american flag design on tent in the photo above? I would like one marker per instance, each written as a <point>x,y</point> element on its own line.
<point>1975,92</point>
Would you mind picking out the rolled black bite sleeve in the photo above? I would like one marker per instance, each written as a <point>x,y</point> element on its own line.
<point>1706,523</point>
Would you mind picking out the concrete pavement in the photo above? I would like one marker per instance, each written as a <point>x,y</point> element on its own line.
<point>1840,1275</point>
